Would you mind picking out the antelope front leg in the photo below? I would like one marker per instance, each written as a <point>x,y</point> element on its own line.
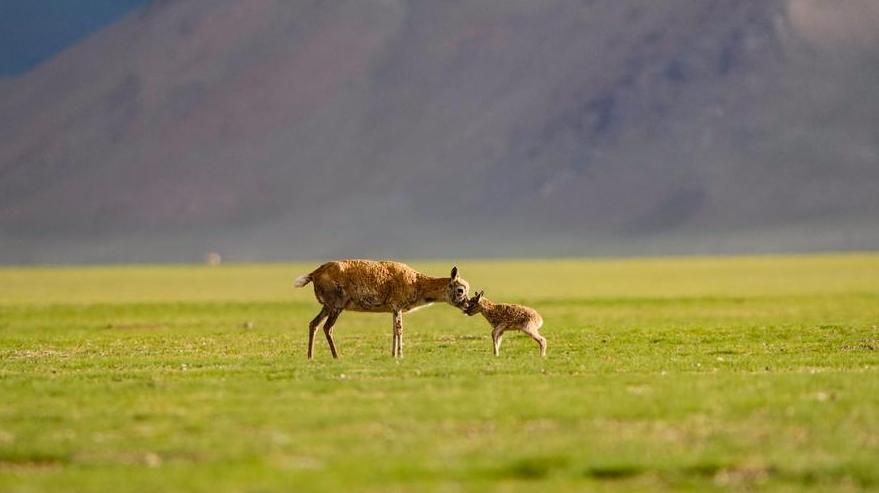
<point>394,336</point>
<point>398,334</point>
<point>394,344</point>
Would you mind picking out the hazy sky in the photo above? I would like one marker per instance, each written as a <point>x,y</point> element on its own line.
<point>33,30</point>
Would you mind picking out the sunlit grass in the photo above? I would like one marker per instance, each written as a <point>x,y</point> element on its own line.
<point>700,373</point>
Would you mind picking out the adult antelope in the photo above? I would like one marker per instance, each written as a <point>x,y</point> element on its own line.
<point>376,286</point>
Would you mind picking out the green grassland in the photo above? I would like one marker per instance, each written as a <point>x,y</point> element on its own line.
<point>674,373</point>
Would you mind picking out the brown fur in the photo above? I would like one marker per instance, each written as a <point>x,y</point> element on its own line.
<point>376,286</point>
<point>503,317</point>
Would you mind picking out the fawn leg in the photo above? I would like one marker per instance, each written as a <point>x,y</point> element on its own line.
<point>541,341</point>
<point>496,336</point>
<point>328,330</point>
<point>312,328</point>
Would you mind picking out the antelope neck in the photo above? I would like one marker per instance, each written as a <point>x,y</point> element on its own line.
<point>432,289</point>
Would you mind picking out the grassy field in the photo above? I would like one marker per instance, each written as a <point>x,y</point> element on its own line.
<point>675,373</point>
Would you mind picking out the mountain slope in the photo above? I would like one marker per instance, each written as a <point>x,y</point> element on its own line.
<point>273,129</point>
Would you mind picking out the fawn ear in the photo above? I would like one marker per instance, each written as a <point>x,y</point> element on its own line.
<point>479,294</point>
<point>454,272</point>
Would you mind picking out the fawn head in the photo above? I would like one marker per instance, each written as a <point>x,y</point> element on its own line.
<point>473,306</point>
<point>458,289</point>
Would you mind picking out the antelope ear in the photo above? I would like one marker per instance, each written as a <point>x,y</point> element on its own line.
<point>454,272</point>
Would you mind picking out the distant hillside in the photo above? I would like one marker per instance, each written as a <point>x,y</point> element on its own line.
<point>271,129</point>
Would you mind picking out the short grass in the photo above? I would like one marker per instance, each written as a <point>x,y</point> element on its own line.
<point>674,373</point>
